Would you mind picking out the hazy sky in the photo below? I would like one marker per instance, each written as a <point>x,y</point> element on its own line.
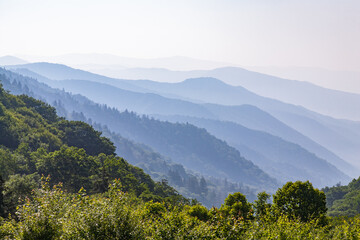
<point>318,33</point>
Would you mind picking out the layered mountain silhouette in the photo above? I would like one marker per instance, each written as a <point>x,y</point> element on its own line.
<point>193,147</point>
<point>329,102</point>
<point>156,104</point>
<point>341,136</point>
<point>282,159</point>
<point>301,125</point>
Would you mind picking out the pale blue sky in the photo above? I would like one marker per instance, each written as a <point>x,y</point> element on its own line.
<point>321,33</point>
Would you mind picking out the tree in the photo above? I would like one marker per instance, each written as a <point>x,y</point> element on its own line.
<point>70,165</point>
<point>44,109</point>
<point>261,205</point>
<point>17,188</point>
<point>8,136</point>
<point>200,212</point>
<point>82,135</point>
<point>236,205</point>
<point>300,200</point>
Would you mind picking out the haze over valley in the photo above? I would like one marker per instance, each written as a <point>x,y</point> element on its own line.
<point>159,120</point>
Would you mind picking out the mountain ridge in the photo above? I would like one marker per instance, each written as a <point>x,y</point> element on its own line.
<point>113,119</point>
<point>195,93</point>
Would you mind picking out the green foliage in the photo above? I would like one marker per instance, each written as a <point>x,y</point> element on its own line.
<point>55,214</point>
<point>344,200</point>
<point>35,141</point>
<point>300,200</point>
<point>155,208</point>
<point>200,212</point>
<point>237,206</point>
<point>261,205</point>
<point>70,165</point>
<point>76,107</point>
<point>45,110</point>
<point>17,189</point>
<point>209,191</point>
<point>8,163</point>
<point>2,206</point>
<point>8,135</point>
<point>82,135</point>
<point>26,120</point>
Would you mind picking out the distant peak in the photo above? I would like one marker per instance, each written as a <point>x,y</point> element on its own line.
<point>204,80</point>
<point>11,60</point>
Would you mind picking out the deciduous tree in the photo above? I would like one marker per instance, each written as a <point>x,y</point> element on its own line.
<point>300,200</point>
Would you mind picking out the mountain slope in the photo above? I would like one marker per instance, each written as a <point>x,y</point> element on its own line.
<point>342,137</point>
<point>347,81</point>
<point>101,60</point>
<point>60,72</point>
<point>11,60</point>
<point>209,191</point>
<point>284,160</point>
<point>174,140</point>
<point>319,99</point>
<point>254,118</point>
<point>343,200</point>
<point>34,141</point>
<point>146,103</point>
<point>246,115</point>
<point>329,102</point>
<point>142,103</point>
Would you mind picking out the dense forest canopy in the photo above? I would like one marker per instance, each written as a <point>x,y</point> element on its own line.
<point>344,200</point>
<point>35,141</point>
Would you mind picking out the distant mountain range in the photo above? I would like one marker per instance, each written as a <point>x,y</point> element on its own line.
<point>341,136</point>
<point>343,80</point>
<point>187,144</point>
<point>10,60</point>
<point>151,102</point>
<point>304,127</point>
<point>319,99</point>
<point>96,60</point>
<point>281,159</point>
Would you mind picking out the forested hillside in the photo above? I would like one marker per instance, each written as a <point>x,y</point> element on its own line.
<point>35,142</point>
<point>210,191</point>
<point>282,159</point>
<point>292,123</point>
<point>344,200</point>
<point>337,135</point>
<point>80,108</point>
